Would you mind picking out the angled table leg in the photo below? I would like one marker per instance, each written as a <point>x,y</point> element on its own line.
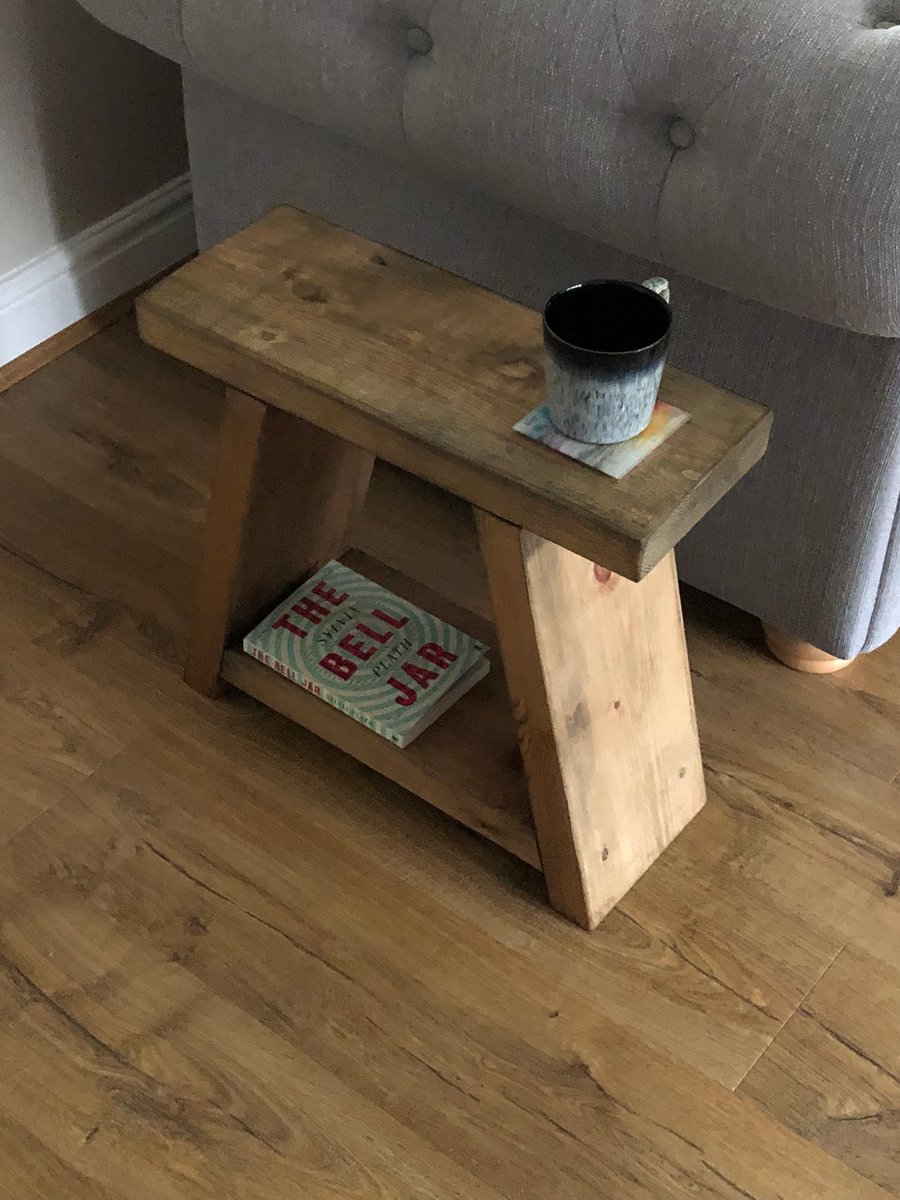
<point>284,496</point>
<point>598,674</point>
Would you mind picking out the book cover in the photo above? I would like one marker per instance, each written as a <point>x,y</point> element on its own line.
<point>382,660</point>
<point>616,460</point>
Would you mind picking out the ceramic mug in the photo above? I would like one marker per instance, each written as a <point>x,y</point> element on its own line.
<point>606,343</point>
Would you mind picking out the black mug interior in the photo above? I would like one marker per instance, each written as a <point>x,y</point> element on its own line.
<point>608,316</point>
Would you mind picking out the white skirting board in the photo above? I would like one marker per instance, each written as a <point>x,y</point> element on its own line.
<point>53,291</point>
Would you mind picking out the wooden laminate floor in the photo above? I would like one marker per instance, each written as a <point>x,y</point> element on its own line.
<point>236,964</point>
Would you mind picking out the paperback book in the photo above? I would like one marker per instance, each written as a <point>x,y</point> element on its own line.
<point>383,661</point>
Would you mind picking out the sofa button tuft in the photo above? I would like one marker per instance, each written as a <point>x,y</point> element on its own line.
<point>419,40</point>
<point>681,133</point>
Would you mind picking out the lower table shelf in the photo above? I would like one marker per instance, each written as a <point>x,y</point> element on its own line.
<point>467,764</point>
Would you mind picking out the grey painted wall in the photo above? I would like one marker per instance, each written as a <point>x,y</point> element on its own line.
<point>89,122</point>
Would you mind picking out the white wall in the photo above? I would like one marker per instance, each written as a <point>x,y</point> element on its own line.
<point>89,124</point>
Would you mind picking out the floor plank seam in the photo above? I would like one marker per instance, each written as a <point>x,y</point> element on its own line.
<point>24,557</point>
<point>169,861</point>
<point>671,944</point>
<point>76,787</point>
<point>106,1052</point>
<point>854,1049</point>
<point>799,1007</point>
<point>10,839</point>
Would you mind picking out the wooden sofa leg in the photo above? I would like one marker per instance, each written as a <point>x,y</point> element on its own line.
<point>801,656</point>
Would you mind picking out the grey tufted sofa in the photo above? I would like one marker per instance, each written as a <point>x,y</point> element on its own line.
<point>749,150</point>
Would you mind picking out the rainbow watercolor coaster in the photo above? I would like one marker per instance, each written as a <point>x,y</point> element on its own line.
<point>616,460</point>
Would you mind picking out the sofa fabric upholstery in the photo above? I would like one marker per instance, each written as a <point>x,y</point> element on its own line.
<point>802,541</point>
<point>704,134</point>
<point>156,23</point>
<point>745,150</point>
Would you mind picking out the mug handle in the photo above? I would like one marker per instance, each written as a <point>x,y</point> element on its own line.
<point>660,286</point>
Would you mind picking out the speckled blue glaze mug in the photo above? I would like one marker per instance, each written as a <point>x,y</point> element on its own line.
<point>606,343</point>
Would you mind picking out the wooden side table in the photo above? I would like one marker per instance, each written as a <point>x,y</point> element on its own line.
<point>336,350</point>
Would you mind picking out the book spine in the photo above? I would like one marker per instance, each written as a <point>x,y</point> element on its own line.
<point>321,693</point>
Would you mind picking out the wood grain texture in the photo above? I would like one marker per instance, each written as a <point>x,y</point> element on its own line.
<point>247,1066</point>
<point>601,689</point>
<point>429,371</point>
<point>284,497</point>
<point>814,780</point>
<point>397,1064</point>
<point>833,1072</point>
<point>51,724</point>
<point>873,676</point>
